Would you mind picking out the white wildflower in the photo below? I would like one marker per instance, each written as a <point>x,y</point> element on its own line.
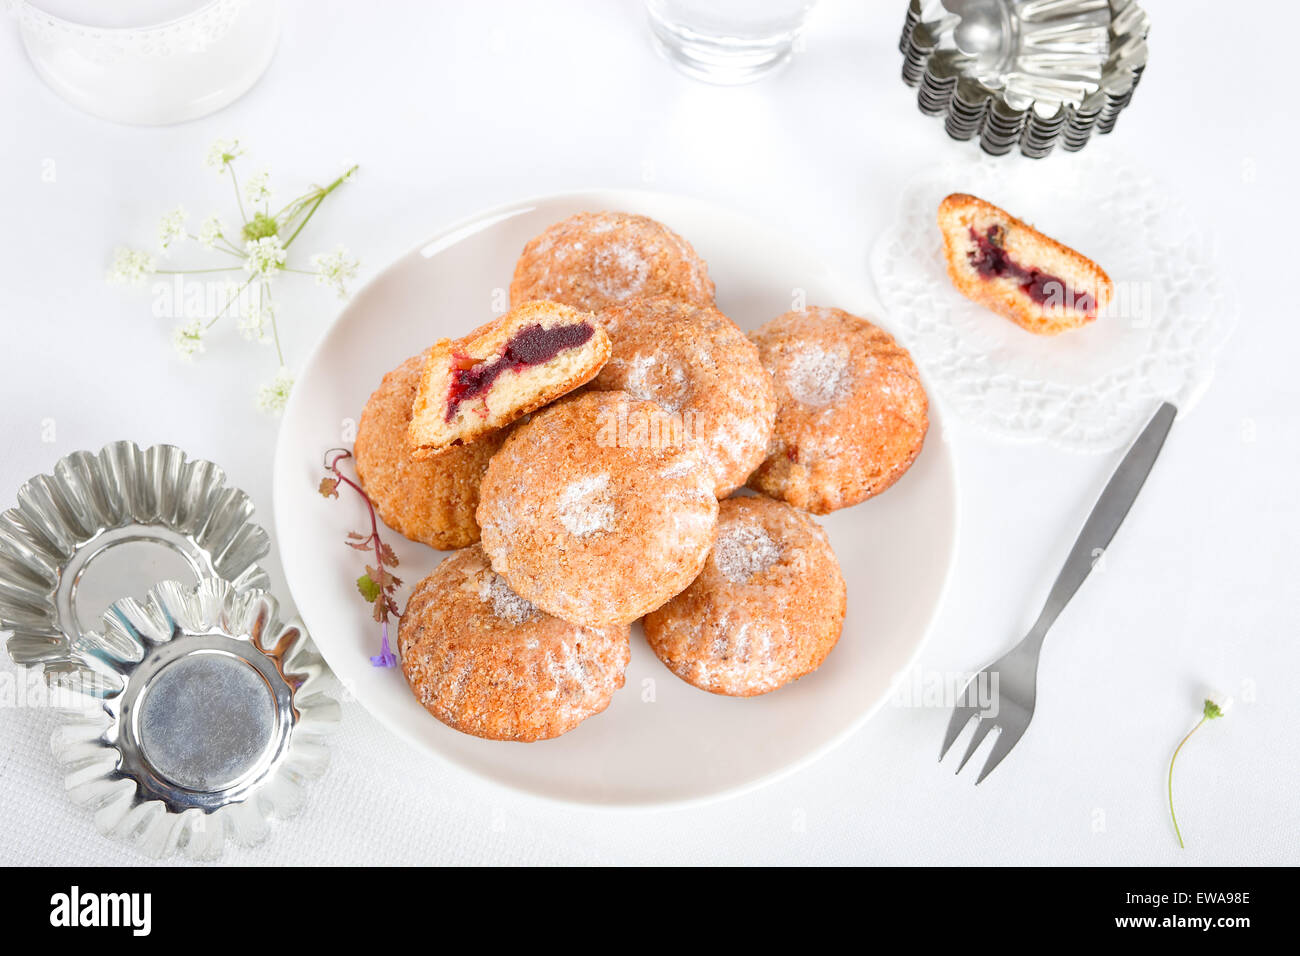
<point>258,188</point>
<point>335,269</point>
<point>131,266</point>
<point>255,324</point>
<point>222,152</point>
<point>187,339</point>
<point>172,227</point>
<point>273,396</point>
<point>265,256</point>
<point>210,232</point>
<point>1217,705</point>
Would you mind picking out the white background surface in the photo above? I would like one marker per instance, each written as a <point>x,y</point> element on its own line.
<point>451,108</point>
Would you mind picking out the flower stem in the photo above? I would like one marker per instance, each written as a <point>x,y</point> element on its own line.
<point>293,204</point>
<point>311,212</point>
<point>238,199</point>
<point>184,272</point>
<point>1173,816</point>
<point>234,296</point>
<point>320,198</point>
<point>275,329</point>
<point>229,250</point>
<point>385,657</point>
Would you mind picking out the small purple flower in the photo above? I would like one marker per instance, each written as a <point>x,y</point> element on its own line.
<point>385,657</point>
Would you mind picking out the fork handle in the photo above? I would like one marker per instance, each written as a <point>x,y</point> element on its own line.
<point>1107,515</point>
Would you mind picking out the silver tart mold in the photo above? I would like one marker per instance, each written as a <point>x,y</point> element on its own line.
<point>191,718</point>
<point>111,524</point>
<point>1027,73</point>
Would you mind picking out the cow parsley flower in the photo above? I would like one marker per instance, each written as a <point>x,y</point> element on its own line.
<point>1216,707</point>
<point>266,256</point>
<point>211,232</point>
<point>1212,709</point>
<point>131,266</point>
<point>255,324</point>
<point>187,339</point>
<point>222,153</point>
<point>171,227</point>
<point>273,396</point>
<point>258,188</point>
<point>335,269</point>
<point>248,254</point>
<point>261,226</point>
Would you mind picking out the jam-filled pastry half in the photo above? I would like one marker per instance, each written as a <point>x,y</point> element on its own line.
<point>529,357</point>
<point>431,500</point>
<point>1013,269</point>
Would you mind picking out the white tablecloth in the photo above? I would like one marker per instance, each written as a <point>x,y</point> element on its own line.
<point>453,107</point>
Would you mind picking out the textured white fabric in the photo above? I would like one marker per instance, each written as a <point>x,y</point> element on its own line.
<point>461,106</point>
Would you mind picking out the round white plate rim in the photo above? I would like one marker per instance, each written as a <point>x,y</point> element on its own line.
<point>614,198</point>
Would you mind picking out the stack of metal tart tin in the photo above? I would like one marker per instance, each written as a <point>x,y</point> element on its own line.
<point>191,714</point>
<point>1027,73</point>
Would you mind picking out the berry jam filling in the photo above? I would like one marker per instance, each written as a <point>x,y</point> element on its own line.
<point>990,259</point>
<point>529,346</point>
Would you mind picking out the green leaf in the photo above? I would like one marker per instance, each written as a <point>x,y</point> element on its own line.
<point>1212,710</point>
<point>368,588</point>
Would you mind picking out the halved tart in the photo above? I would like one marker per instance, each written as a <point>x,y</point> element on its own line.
<point>1011,268</point>
<point>503,370</point>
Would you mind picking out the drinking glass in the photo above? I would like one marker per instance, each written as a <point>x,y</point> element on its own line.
<point>149,62</point>
<point>727,41</point>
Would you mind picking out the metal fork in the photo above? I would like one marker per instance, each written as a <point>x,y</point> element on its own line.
<point>1016,672</point>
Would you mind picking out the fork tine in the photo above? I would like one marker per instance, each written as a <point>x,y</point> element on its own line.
<point>961,716</point>
<point>1008,737</point>
<point>982,730</point>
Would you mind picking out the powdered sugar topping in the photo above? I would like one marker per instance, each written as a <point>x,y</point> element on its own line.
<point>586,506</point>
<point>744,550</point>
<point>636,384</point>
<point>506,604</point>
<point>651,378</point>
<point>816,376</point>
<point>620,270</point>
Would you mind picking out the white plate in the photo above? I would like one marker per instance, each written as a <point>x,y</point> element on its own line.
<point>661,741</point>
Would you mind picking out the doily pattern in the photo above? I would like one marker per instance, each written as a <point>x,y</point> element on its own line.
<point>1088,390</point>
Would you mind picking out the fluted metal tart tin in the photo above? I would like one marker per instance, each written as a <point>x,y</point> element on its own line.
<point>108,525</point>
<point>191,718</point>
<point>1031,74</point>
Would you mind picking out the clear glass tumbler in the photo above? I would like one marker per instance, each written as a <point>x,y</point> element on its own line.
<point>727,41</point>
